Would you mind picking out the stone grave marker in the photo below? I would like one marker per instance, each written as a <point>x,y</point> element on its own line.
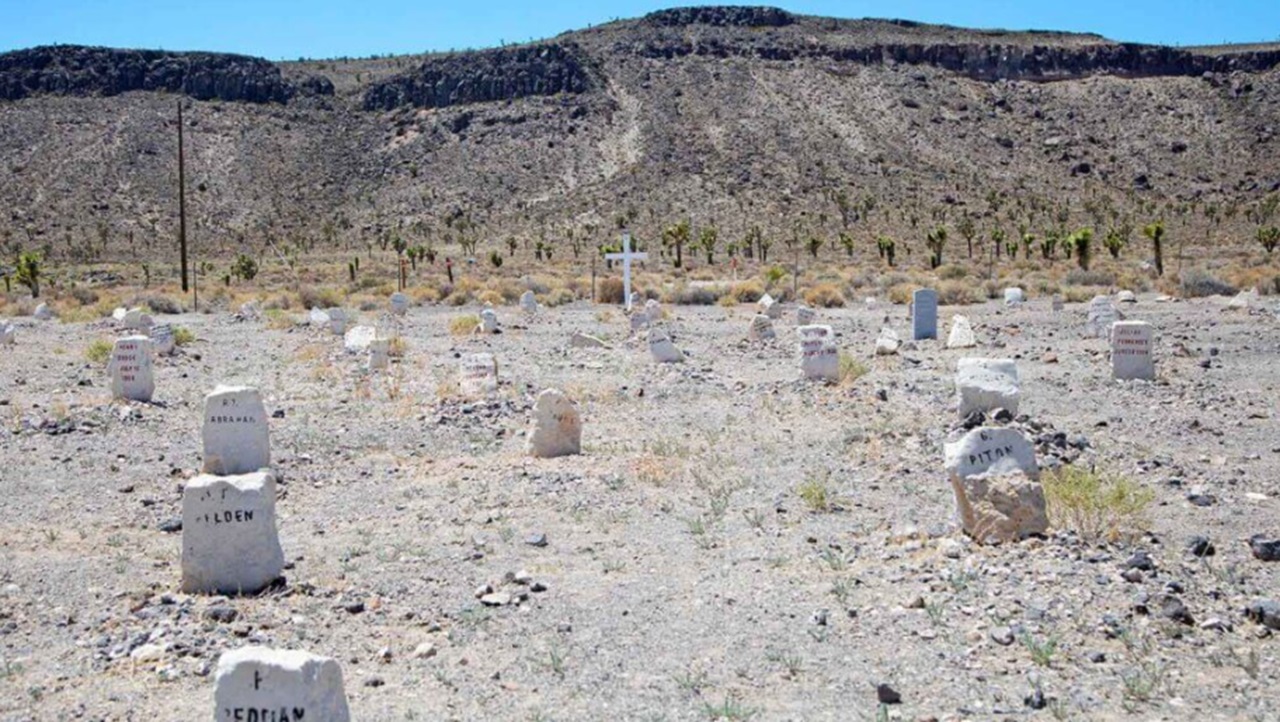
<point>1057,304</point>
<point>488,321</point>
<point>529,302</point>
<point>235,435</point>
<point>819,357</point>
<point>924,314</point>
<point>1014,296</point>
<point>318,317</point>
<point>8,332</point>
<point>770,307</point>
<point>119,313</point>
<point>250,311</point>
<point>888,342</point>
<point>479,374</point>
<point>1131,351</point>
<point>229,539</point>
<point>1126,297</point>
<point>961,335</point>
<point>259,684</point>
<point>138,320</point>
<point>639,319</point>
<point>399,303</point>
<point>1102,314</point>
<point>761,328</point>
<point>995,479</point>
<point>162,340</point>
<point>379,354</point>
<point>43,312</point>
<point>1244,300</point>
<point>357,339</point>
<point>131,373</point>
<point>627,257</point>
<point>557,426</point>
<point>583,340</point>
<point>804,316</point>
<point>987,384</point>
<point>338,321</point>
<point>661,347</point>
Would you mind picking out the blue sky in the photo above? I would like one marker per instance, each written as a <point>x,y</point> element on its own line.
<point>332,28</point>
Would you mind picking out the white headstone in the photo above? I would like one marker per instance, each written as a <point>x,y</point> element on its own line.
<point>924,314</point>
<point>337,321</point>
<point>1102,313</point>
<point>770,307</point>
<point>379,354</point>
<point>1014,296</point>
<point>582,340</point>
<point>819,357</point>
<point>162,340</point>
<point>804,316</point>
<point>661,347</point>
<point>1244,300</point>
<point>229,539</point>
<point>119,313</point>
<point>130,368</point>
<point>8,333</point>
<point>639,319</point>
<point>529,302</point>
<point>479,374</point>
<point>318,317</point>
<point>235,435</point>
<point>961,335</point>
<point>258,684</point>
<point>761,328</point>
<point>1126,297</point>
<point>987,384</point>
<point>888,342</point>
<point>138,320</point>
<point>995,479</point>
<point>1131,352</point>
<point>357,339</point>
<point>43,312</point>
<point>557,426</point>
<point>488,321</point>
<point>399,303</point>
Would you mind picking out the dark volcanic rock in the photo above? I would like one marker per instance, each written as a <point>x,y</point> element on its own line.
<point>82,71</point>
<point>747,17</point>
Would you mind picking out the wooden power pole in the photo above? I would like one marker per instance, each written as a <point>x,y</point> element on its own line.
<point>182,201</point>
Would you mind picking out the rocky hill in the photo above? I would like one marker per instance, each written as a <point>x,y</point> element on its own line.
<point>733,116</point>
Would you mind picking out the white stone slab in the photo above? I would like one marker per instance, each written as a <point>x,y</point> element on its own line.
<point>229,539</point>
<point>357,339</point>
<point>258,684</point>
<point>132,376</point>
<point>235,431</point>
<point>987,384</point>
<point>761,328</point>
<point>1131,351</point>
<point>661,347</point>
<point>819,356</point>
<point>479,374</point>
<point>557,426</point>
<point>961,335</point>
<point>399,303</point>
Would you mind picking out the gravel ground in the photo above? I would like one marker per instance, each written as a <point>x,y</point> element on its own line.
<point>671,572</point>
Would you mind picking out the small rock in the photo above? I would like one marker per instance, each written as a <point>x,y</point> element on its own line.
<point>1200,546</point>
<point>374,682</point>
<point>536,540</point>
<point>354,607</point>
<point>221,614</point>
<point>1141,560</point>
<point>171,526</point>
<point>426,650</point>
<point>1265,550</point>
<point>887,695</point>
<point>1036,700</point>
<point>1002,636</point>
<point>1132,575</point>
<point>1173,609</point>
<point>1097,657</point>
<point>496,599</point>
<point>1265,612</point>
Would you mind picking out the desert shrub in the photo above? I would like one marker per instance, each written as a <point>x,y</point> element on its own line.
<point>312,297</point>
<point>425,294</point>
<point>397,347</point>
<point>463,325</point>
<point>958,293</point>
<point>368,304</point>
<point>1044,287</point>
<point>863,279</point>
<point>278,302</point>
<point>558,297</point>
<point>727,301</point>
<point>901,293</point>
<point>183,335</point>
<point>1081,277</point>
<point>993,289</point>
<point>610,290</point>
<point>746,291</point>
<point>817,495</point>
<point>368,283</point>
<point>699,295</point>
<point>1078,294</point>
<point>158,304</point>
<point>952,272</point>
<point>84,296</point>
<point>507,289</point>
<point>490,297</point>
<point>98,351</point>
<point>1198,283</point>
<point>540,285</point>
<point>463,291</point>
<point>824,295</point>
<point>278,320</point>
<point>851,369</point>
<point>1097,506</point>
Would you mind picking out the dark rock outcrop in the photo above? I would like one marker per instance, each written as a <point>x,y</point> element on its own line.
<point>486,76</point>
<point>83,71</point>
<point>747,17</point>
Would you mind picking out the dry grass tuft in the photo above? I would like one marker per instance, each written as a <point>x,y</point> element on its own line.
<point>824,295</point>
<point>1097,506</point>
<point>463,325</point>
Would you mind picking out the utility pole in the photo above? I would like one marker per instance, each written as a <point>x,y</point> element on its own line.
<point>182,201</point>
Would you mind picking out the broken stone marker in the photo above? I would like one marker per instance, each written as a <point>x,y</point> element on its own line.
<point>987,384</point>
<point>995,480</point>
<point>557,426</point>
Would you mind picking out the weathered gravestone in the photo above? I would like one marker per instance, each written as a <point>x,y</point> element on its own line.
<point>986,385</point>
<point>235,435</point>
<point>229,539</point>
<point>337,321</point>
<point>557,426</point>
<point>488,321</point>
<point>479,374</point>
<point>250,311</point>
<point>924,314</point>
<point>131,373</point>
<point>761,328</point>
<point>528,302</point>
<point>995,478</point>
<point>1014,296</point>
<point>318,317</point>
<point>653,309</point>
<point>804,316</point>
<point>379,354</point>
<point>1057,304</point>
<point>399,303</point>
<point>43,312</point>
<point>119,313</point>
<point>961,335</point>
<point>661,347</point>
<point>639,319</point>
<point>259,684</point>
<point>357,339</point>
<point>162,340</point>
<point>888,342</point>
<point>770,307</point>
<point>1102,313</point>
<point>582,340</point>
<point>1126,297</point>
<point>1131,352</point>
<point>138,320</point>
<point>1244,300</point>
<point>8,333</point>
<point>819,357</point>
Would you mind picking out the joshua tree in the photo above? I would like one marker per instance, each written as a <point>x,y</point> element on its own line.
<point>846,242</point>
<point>244,268</point>
<point>936,240</point>
<point>1028,242</point>
<point>707,241</point>
<point>997,240</point>
<point>677,237</point>
<point>814,244</point>
<point>1080,241</point>
<point>511,245</point>
<point>1155,231</point>
<point>1269,237</point>
<point>887,248</point>
<point>495,258</point>
<point>967,231</point>
<point>29,272</point>
<point>1117,238</point>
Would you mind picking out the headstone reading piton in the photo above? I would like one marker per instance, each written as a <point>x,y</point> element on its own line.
<point>229,539</point>
<point>986,385</point>
<point>924,314</point>
<point>1131,352</point>
<point>258,684</point>
<point>235,435</point>
<point>557,426</point>
<point>995,480</point>
<point>130,368</point>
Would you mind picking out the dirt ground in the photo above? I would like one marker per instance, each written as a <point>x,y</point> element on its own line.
<point>686,577</point>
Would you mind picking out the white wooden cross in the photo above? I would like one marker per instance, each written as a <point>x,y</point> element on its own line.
<point>626,257</point>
